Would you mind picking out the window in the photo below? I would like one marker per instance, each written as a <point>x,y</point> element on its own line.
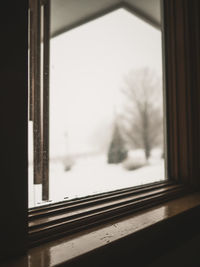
<point>94,209</point>
<point>182,94</point>
<point>105,103</point>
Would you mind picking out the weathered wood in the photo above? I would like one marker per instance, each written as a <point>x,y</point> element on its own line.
<point>35,47</point>
<point>181,50</point>
<point>46,56</point>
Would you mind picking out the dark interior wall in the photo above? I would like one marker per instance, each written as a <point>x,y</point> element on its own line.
<point>13,133</point>
<point>184,255</point>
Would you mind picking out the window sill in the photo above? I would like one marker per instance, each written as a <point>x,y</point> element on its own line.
<point>142,232</point>
<point>60,219</point>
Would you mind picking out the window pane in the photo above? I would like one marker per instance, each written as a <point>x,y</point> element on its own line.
<point>106,106</point>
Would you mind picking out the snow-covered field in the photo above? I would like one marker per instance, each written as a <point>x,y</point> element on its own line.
<point>92,175</point>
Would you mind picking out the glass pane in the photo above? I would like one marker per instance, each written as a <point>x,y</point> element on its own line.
<point>106,106</point>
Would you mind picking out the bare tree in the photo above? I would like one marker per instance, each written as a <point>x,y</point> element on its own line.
<point>141,115</point>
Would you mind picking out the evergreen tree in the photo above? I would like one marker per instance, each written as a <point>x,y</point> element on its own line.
<point>117,151</point>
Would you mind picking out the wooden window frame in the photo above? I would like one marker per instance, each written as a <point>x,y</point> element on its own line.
<point>39,36</point>
<point>46,223</point>
<point>182,68</point>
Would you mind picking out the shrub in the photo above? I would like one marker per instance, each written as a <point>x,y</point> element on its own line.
<point>68,162</point>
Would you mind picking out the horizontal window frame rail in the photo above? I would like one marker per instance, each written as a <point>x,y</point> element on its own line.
<point>102,203</point>
<point>94,199</point>
<point>47,227</point>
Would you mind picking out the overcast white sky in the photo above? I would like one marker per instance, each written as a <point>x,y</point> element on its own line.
<point>88,65</point>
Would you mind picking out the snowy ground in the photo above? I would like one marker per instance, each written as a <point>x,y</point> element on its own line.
<point>93,175</point>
